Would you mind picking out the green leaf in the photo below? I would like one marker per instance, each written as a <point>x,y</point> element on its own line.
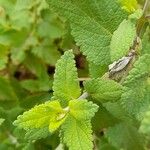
<point>36,66</point>
<point>13,37</point>
<point>103,119</point>
<point>76,130</point>
<point>1,121</point>
<point>103,90</point>
<point>17,55</point>
<point>27,4</point>
<point>145,124</point>
<point>135,98</point>
<point>92,23</point>
<point>48,54</point>
<point>49,114</point>
<point>36,134</point>
<point>146,42</point>
<point>6,91</point>
<point>66,85</point>
<point>122,39</point>
<point>82,109</point>
<point>77,134</point>
<point>3,56</point>
<point>141,70</point>
<point>125,136</point>
<point>52,30</point>
<point>37,85</point>
<point>97,71</point>
<point>116,110</point>
<point>104,145</point>
<point>129,5</point>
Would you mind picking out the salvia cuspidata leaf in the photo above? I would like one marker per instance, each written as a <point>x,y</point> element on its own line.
<point>77,134</point>
<point>66,85</point>
<point>82,109</point>
<point>97,71</point>
<point>124,36</point>
<point>76,131</point>
<point>122,39</point>
<point>135,98</point>
<point>93,23</point>
<point>145,123</point>
<point>129,5</point>
<point>125,136</point>
<point>141,70</point>
<point>104,145</point>
<point>103,90</point>
<point>146,42</point>
<point>103,119</point>
<point>36,134</point>
<point>49,114</point>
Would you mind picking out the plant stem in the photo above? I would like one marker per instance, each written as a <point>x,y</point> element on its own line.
<point>135,46</point>
<point>146,5</point>
<point>83,96</point>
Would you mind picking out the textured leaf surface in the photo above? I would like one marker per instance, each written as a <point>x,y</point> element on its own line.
<point>41,116</point>
<point>76,130</point>
<point>141,70</point>
<point>35,134</point>
<point>146,43</point>
<point>103,90</point>
<point>103,119</point>
<point>145,124</point>
<point>82,109</point>
<point>129,5</point>
<point>66,85</point>
<point>122,39</point>
<point>135,98</point>
<point>77,134</point>
<point>124,136</point>
<point>92,23</point>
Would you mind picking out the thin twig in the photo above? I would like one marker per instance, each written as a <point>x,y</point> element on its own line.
<point>83,79</point>
<point>133,47</point>
<point>146,5</point>
<point>83,96</point>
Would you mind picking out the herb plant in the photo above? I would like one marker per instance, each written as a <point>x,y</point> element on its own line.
<point>99,54</point>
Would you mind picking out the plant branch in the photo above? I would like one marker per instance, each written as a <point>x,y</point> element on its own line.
<point>146,5</point>
<point>83,96</point>
<point>133,49</point>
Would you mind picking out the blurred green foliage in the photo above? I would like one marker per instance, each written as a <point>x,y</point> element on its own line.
<point>32,39</point>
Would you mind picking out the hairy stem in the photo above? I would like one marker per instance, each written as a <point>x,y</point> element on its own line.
<point>135,46</point>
